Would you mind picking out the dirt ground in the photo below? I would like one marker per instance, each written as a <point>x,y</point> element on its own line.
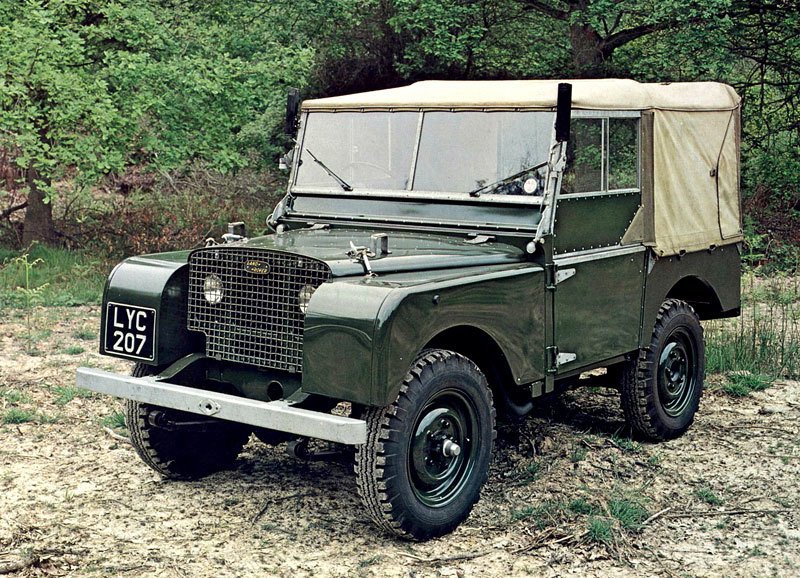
<point>569,493</point>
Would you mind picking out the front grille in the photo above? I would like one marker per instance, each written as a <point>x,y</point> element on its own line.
<point>258,321</point>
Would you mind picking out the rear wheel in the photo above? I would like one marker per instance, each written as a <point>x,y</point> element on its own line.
<point>661,389</point>
<point>180,453</point>
<point>427,454</point>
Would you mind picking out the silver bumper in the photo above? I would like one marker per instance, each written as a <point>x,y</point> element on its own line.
<point>276,415</point>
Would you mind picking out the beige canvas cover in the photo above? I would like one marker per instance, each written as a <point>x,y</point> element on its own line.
<point>695,180</point>
<point>695,142</point>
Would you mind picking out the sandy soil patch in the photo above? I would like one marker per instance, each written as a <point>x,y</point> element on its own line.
<point>723,500</point>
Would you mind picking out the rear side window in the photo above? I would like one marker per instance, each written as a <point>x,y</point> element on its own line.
<point>602,155</point>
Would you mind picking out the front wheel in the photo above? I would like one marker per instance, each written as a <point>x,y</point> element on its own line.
<point>661,389</point>
<point>427,454</point>
<point>181,453</point>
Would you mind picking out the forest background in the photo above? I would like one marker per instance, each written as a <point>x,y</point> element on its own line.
<point>138,126</point>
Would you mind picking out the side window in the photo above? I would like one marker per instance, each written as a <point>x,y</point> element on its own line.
<point>584,170</point>
<point>602,155</point>
<point>623,153</point>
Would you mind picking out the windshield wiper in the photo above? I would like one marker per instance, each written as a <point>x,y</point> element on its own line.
<point>337,178</point>
<point>492,186</point>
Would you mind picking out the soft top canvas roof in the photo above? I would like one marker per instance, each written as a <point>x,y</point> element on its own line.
<point>601,94</point>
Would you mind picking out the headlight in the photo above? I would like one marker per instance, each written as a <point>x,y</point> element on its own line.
<point>304,296</point>
<point>212,289</point>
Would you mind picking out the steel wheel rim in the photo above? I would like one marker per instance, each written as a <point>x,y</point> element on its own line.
<point>677,373</point>
<point>436,472</point>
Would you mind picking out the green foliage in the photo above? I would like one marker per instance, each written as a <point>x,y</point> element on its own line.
<point>59,277</point>
<point>764,340</point>
<point>742,384</point>
<point>17,416</point>
<point>530,473</point>
<point>99,92</point>
<point>85,334</point>
<point>115,420</point>
<point>14,397</point>
<point>629,512</point>
<point>600,530</point>
<point>64,395</point>
<point>581,506</point>
<point>707,495</point>
<point>92,87</point>
<point>29,293</point>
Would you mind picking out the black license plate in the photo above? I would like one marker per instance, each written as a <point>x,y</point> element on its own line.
<point>130,331</point>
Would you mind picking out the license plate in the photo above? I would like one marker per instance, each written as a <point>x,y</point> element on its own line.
<point>130,331</point>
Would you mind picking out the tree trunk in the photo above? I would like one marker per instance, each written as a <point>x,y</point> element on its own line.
<point>587,51</point>
<point>38,226</point>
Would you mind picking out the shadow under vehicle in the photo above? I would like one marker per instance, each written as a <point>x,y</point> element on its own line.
<point>446,253</point>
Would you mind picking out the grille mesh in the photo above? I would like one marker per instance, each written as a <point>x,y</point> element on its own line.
<point>258,321</point>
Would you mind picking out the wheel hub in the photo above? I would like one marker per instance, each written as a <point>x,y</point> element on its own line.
<point>441,451</point>
<point>676,379</point>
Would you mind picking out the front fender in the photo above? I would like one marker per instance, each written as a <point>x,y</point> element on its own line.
<point>338,339</point>
<point>361,335</point>
<point>159,282</point>
<point>505,303</point>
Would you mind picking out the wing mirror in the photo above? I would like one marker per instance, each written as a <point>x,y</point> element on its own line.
<point>563,111</point>
<point>292,108</point>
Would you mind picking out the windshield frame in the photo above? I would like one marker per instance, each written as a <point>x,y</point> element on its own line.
<point>401,194</point>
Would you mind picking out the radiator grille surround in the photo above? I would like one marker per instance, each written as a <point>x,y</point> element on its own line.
<point>258,321</point>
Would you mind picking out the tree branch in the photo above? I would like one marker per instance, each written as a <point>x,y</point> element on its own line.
<point>623,37</point>
<point>5,213</point>
<point>546,9</point>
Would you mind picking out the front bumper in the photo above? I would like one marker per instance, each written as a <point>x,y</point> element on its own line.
<point>274,415</point>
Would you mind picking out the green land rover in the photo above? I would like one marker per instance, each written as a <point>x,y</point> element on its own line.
<point>446,254</point>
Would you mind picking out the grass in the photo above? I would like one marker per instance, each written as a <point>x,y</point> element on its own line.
<point>74,350</point>
<point>64,395</point>
<point>581,506</point>
<point>626,444</point>
<point>743,384</point>
<point>578,454</point>
<point>17,415</point>
<point>14,397</point>
<point>114,421</point>
<point>629,512</point>
<point>765,339</point>
<point>707,495</point>
<point>68,277</point>
<point>600,530</point>
<point>550,513</point>
<point>530,473</point>
<point>85,334</point>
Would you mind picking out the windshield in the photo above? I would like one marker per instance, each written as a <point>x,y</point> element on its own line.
<point>436,151</point>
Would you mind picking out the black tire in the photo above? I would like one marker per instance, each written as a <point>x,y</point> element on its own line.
<point>411,479</point>
<point>661,389</point>
<point>182,455</point>
<point>271,437</point>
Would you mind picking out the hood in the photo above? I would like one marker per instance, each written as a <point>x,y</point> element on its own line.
<point>408,251</point>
